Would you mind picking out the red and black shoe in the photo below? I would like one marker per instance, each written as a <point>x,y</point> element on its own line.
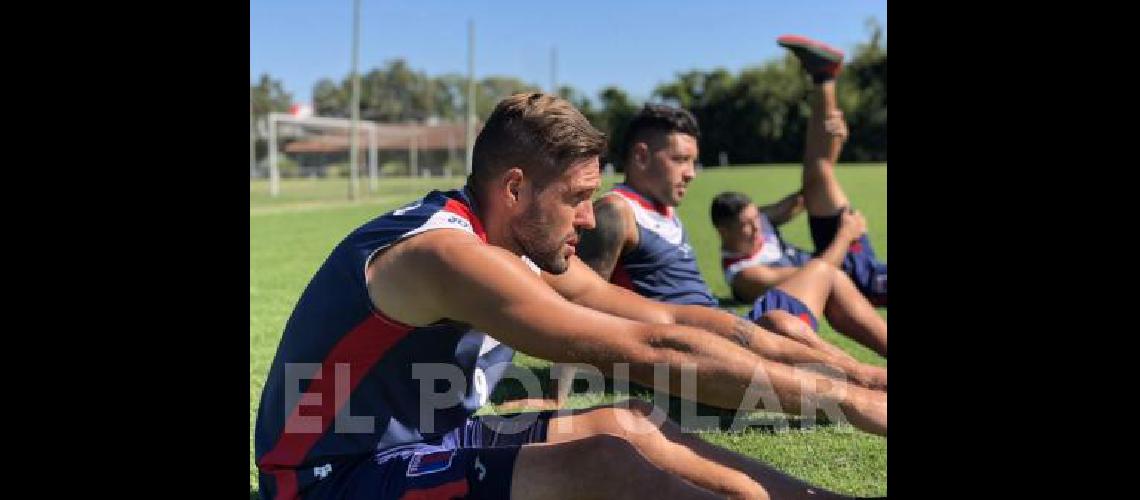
<point>823,62</point>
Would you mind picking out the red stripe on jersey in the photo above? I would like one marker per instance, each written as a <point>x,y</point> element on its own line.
<point>458,208</point>
<point>360,349</point>
<point>641,200</point>
<point>729,261</point>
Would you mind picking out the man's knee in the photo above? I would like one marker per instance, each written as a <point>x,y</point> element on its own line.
<point>782,322</point>
<point>820,269</point>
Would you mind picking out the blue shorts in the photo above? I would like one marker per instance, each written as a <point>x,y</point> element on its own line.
<point>776,299</point>
<point>860,263</point>
<point>869,275</point>
<point>474,461</point>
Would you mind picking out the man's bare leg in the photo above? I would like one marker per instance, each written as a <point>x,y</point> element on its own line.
<point>852,314</point>
<point>784,323</point>
<point>830,293</point>
<point>595,467</point>
<point>823,195</point>
<point>826,131</point>
<point>686,455</point>
<point>811,284</point>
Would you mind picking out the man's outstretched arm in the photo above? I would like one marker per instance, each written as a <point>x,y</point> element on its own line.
<point>582,287</point>
<point>786,209</point>
<point>448,274</point>
<point>751,282</point>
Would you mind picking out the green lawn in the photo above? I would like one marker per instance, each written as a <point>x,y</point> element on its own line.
<point>290,236</point>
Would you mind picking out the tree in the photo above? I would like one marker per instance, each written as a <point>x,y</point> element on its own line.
<point>267,95</point>
<point>757,115</point>
<point>613,119</point>
<point>862,93</point>
<point>330,99</point>
<point>493,89</point>
<point>582,102</point>
<point>760,115</point>
<point>396,93</point>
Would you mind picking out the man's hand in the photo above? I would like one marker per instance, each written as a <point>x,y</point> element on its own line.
<point>852,224</point>
<point>835,125</point>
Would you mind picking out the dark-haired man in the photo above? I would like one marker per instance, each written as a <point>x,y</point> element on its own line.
<point>405,329</point>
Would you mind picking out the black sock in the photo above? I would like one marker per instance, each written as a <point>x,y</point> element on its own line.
<point>819,78</point>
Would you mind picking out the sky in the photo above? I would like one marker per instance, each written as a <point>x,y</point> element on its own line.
<point>634,45</point>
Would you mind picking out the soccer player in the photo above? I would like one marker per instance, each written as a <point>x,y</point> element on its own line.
<point>641,244</point>
<point>406,328</point>
<point>843,280</point>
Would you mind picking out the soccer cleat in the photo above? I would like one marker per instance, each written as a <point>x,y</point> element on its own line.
<point>820,60</point>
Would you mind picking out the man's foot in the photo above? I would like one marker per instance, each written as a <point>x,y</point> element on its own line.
<point>821,61</point>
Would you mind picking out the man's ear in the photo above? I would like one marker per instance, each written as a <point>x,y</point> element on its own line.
<point>512,182</point>
<point>640,154</point>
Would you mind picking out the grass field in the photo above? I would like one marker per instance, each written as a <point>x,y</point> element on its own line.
<point>290,236</point>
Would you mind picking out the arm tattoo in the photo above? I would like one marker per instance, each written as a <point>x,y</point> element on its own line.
<point>600,247</point>
<point>742,332</point>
